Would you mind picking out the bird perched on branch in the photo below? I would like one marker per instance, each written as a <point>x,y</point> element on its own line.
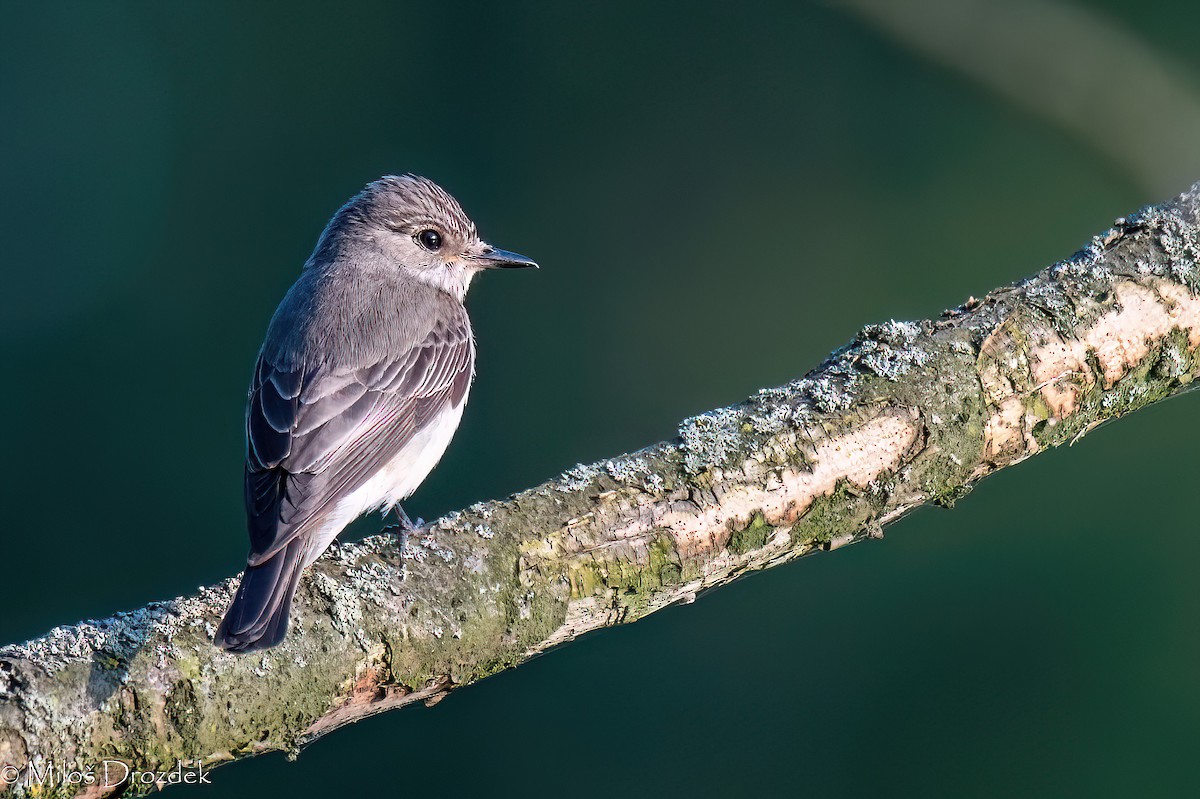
<point>359,385</point>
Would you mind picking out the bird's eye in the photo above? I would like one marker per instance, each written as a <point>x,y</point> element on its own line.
<point>430,240</point>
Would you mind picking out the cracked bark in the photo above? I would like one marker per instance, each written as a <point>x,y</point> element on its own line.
<point>908,413</point>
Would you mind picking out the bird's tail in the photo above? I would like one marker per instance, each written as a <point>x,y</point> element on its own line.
<point>258,616</point>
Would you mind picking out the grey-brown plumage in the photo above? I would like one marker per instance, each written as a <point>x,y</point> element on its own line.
<point>359,385</point>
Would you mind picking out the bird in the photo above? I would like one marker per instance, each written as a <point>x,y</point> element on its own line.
<point>359,386</point>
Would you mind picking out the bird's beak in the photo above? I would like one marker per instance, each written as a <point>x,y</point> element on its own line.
<point>492,258</point>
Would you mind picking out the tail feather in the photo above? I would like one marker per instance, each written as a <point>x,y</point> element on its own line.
<point>258,616</point>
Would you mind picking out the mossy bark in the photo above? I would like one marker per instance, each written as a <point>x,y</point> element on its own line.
<point>908,413</point>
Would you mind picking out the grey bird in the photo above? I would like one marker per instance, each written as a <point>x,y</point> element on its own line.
<point>359,385</point>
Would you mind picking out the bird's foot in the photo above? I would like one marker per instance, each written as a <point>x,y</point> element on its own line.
<point>404,525</point>
<point>403,528</point>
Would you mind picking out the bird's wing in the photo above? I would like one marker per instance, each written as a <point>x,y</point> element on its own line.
<point>315,435</point>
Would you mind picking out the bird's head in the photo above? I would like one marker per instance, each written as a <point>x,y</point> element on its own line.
<point>418,229</point>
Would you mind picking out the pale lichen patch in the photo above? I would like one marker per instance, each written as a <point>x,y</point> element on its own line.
<point>578,477</point>
<point>890,350</point>
<point>118,638</point>
<point>636,469</point>
<point>710,439</point>
<point>1176,235</point>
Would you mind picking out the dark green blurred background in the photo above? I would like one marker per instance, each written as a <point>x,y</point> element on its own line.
<point>719,196</point>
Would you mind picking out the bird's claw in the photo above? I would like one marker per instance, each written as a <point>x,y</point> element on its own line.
<point>405,524</point>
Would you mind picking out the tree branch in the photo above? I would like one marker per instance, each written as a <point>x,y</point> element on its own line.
<point>908,413</point>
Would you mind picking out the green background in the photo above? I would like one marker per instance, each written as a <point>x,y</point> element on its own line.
<point>719,195</point>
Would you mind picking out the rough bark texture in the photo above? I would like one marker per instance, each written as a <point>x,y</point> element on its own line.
<point>908,413</point>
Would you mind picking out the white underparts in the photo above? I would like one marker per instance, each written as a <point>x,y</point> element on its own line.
<point>395,481</point>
